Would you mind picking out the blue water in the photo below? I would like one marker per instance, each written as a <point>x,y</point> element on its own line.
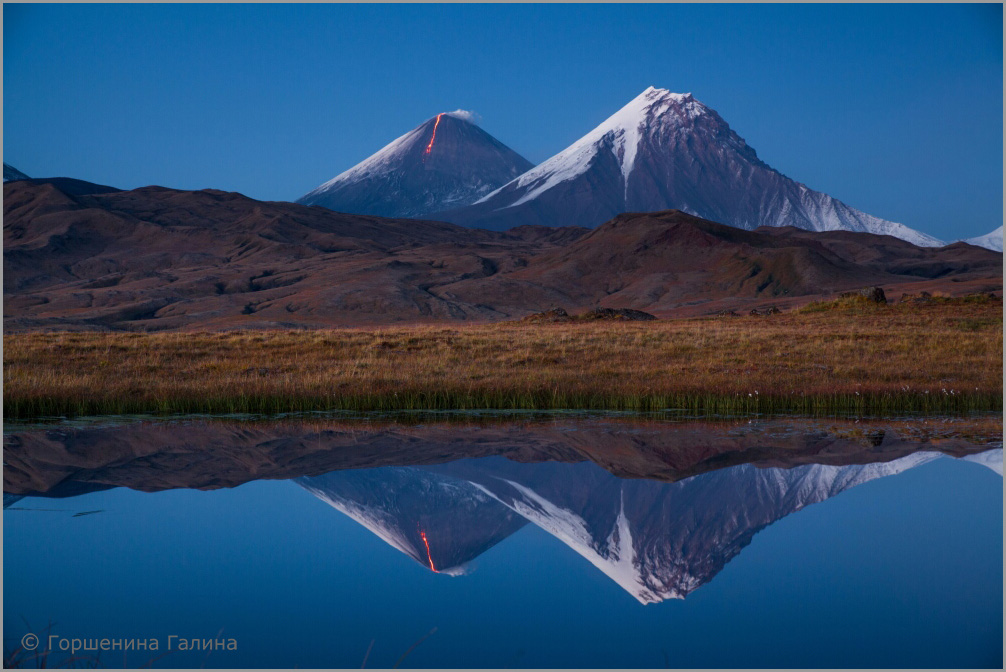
<point>904,570</point>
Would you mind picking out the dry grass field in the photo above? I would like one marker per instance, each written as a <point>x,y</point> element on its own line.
<point>938,356</point>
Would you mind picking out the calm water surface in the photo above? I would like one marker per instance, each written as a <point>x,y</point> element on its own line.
<point>828,547</point>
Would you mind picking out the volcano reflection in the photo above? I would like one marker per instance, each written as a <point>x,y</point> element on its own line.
<point>656,540</point>
<point>402,505</point>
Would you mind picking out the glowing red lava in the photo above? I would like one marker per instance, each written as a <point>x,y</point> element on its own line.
<point>434,136</point>
<point>423,534</point>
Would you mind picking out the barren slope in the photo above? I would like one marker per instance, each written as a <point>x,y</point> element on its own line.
<point>83,256</point>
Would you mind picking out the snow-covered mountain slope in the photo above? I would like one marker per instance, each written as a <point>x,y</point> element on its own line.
<point>992,240</point>
<point>10,174</point>
<point>658,540</point>
<point>993,459</point>
<point>447,162</point>
<point>439,521</point>
<point>667,151</point>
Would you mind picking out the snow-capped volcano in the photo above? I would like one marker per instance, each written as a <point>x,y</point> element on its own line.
<point>446,162</point>
<point>992,240</point>
<point>656,540</point>
<point>439,521</point>
<point>667,151</point>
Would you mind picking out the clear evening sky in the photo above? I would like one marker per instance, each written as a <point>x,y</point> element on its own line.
<point>894,109</point>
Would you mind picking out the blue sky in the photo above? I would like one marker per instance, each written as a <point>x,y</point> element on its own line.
<point>895,109</point>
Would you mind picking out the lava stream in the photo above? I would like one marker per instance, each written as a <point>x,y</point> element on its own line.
<point>423,534</point>
<point>434,136</point>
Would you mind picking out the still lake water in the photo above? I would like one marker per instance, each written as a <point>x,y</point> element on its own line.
<point>577,542</point>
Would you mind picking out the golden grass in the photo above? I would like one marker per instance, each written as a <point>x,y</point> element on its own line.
<point>945,356</point>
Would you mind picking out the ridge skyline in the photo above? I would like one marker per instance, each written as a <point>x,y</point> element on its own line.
<point>841,97</point>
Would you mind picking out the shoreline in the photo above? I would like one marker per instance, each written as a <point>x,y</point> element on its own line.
<point>837,405</point>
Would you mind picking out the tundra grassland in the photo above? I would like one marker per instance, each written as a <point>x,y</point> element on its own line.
<point>841,357</point>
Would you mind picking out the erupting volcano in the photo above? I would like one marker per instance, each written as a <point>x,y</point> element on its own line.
<point>405,506</point>
<point>408,179</point>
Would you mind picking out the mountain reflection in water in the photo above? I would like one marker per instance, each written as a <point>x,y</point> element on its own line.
<point>553,531</point>
<point>659,507</point>
<point>656,540</point>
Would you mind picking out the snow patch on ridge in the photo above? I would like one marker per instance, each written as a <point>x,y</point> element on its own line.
<point>993,459</point>
<point>991,241</point>
<point>829,214</point>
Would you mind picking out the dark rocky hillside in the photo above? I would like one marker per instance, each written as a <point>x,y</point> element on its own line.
<point>83,256</point>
